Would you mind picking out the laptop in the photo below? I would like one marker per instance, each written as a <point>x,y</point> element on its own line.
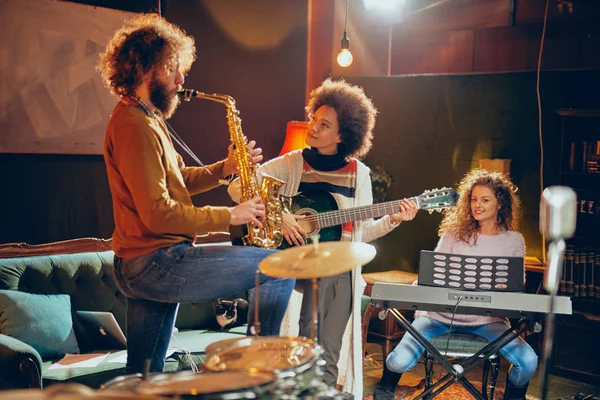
<point>103,329</point>
<point>466,272</point>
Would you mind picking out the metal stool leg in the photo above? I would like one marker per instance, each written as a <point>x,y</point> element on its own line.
<point>428,361</point>
<point>487,366</point>
<point>495,364</point>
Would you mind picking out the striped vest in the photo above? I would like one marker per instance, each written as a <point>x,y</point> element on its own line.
<point>341,184</point>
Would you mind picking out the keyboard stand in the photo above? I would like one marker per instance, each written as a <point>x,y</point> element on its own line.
<point>457,373</point>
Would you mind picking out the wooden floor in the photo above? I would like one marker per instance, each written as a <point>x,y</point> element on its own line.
<point>558,387</point>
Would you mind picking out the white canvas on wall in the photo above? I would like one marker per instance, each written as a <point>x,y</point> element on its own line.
<point>52,100</point>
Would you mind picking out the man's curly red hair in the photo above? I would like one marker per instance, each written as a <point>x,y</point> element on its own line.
<point>141,44</point>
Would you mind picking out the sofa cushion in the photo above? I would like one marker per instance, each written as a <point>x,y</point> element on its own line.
<point>42,321</point>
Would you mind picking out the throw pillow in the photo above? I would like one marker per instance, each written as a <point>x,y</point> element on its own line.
<point>42,321</point>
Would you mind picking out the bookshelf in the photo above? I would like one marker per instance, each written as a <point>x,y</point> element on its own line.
<point>576,335</point>
<point>580,170</point>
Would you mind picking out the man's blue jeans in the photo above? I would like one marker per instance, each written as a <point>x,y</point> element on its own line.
<point>156,283</point>
<point>522,357</point>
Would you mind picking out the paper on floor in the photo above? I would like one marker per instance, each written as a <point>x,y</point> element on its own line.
<point>79,361</point>
<point>122,358</point>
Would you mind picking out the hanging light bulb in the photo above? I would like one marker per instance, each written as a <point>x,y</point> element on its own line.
<point>344,59</point>
<point>383,5</point>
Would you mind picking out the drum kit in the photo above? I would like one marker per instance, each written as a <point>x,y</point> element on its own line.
<point>259,367</point>
<point>251,367</point>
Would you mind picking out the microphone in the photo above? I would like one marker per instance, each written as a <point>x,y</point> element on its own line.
<point>558,212</point>
<point>558,216</point>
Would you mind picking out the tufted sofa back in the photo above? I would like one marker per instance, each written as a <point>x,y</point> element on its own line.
<point>88,279</point>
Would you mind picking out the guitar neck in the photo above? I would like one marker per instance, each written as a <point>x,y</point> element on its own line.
<point>339,217</point>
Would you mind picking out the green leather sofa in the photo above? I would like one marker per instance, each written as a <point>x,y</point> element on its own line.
<point>87,278</point>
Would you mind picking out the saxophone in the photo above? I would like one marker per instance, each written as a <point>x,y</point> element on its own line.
<point>270,235</point>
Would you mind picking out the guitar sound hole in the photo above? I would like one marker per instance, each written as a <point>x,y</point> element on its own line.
<point>309,224</point>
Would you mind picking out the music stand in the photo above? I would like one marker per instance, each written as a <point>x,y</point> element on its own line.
<point>475,273</point>
<point>465,272</point>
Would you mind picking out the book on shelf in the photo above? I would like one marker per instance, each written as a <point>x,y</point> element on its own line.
<point>581,277</point>
<point>592,157</point>
<point>584,156</point>
<point>581,271</point>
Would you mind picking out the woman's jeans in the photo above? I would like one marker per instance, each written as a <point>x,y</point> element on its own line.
<point>156,283</point>
<point>522,357</point>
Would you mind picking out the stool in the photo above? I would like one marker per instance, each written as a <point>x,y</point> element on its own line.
<point>386,332</point>
<point>464,346</point>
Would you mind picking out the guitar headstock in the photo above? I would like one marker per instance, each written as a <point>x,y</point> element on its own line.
<point>437,199</point>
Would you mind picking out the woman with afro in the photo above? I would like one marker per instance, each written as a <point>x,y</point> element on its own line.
<point>340,131</point>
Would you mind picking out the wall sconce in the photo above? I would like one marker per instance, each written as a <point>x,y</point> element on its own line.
<point>295,136</point>
<point>344,59</point>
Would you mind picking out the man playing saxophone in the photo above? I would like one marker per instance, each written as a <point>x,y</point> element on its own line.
<point>156,265</point>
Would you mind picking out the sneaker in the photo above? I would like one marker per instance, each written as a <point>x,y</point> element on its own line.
<point>382,394</point>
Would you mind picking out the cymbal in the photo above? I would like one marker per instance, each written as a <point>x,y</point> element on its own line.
<point>317,261</point>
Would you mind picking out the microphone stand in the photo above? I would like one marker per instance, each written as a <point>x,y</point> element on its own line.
<point>556,253</point>
<point>558,218</point>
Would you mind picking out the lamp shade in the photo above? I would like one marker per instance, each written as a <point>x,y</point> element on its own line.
<point>497,165</point>
<point>295,136</point>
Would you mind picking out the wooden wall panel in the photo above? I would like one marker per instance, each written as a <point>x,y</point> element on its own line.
<point>532,11</point>
<point>517,48</point>
<point>456,15</point>
<point>460,36</point>
<point>321,14</point>
<point>431,53</point>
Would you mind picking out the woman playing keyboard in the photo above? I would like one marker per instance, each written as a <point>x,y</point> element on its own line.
<point>483,223</point>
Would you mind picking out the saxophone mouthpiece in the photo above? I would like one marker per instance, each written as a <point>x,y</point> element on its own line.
<point>187,94</point>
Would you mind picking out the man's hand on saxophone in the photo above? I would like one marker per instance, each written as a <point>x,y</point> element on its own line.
<point>252,210</point>
<point>230,166</point>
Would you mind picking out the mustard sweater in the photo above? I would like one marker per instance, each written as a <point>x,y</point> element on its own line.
<point>151,187</point>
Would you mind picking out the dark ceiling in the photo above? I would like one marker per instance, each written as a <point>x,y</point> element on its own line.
<point>129,5</point>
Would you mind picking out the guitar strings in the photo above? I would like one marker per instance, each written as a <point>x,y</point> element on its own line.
<point>357,210</point>
<point>339,214</point>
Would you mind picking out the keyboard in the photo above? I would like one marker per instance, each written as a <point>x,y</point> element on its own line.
<point>441,299</point>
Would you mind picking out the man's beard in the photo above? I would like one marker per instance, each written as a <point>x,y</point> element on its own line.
<point>162,99</point>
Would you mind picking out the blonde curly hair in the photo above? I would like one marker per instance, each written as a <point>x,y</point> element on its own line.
<point>459,222</point>
<point>141,44</point>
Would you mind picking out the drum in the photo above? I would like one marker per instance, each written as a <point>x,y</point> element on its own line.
<point>227,385</point>
<point>295,361</point>
<point>217,347</point>
<point>122,383</point>
<point>75,391</point>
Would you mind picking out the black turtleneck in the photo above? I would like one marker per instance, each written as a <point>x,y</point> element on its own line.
<point>322,162</point>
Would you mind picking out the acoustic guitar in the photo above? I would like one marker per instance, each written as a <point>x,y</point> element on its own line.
<point>323,216</point>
